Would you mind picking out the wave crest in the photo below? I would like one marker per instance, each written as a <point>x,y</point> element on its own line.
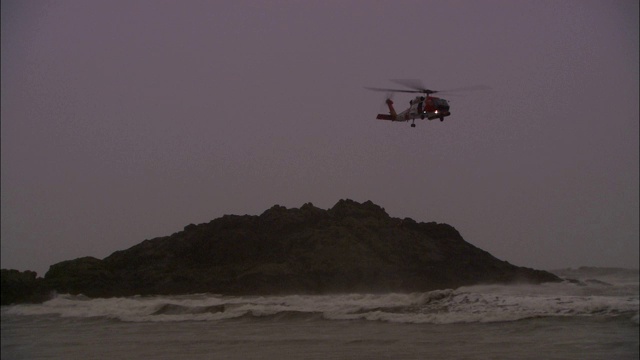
<point>489,303</point>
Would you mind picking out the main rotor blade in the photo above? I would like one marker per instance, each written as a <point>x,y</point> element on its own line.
<point>419,88</point>
<point>392,90</point>
<point>415,84</point>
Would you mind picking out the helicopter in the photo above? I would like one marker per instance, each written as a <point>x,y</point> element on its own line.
<point>422,106</point>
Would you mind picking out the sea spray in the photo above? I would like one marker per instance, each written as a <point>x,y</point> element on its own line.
<point>490,303</point>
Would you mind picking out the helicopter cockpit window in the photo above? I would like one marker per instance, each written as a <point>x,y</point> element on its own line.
<point>441,104</point>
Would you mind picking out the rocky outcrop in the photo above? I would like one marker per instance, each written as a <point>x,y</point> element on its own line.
<point>352,247</point>
<point>22,287</point>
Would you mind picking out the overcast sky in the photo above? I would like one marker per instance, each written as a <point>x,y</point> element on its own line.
<point>127,120</point>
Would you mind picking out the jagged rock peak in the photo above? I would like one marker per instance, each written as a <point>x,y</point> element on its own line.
<point>350,208</point>
<point>344,208</point>
<point>275,209</point>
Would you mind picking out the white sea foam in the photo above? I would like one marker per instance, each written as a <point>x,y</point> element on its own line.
<point>487,303</point>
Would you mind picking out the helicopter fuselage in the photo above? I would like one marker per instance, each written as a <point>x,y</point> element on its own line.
<point>421,107</point>
<point>428,108</point>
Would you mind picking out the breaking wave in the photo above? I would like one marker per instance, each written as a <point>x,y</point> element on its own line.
<point>486,303</point>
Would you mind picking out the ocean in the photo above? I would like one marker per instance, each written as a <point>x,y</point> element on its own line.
<point>594,316</point>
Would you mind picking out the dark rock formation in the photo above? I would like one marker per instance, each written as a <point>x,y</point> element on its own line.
<point>351,247</point>
<point>22,287</point>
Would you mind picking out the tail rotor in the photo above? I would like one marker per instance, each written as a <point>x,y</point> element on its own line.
<point>383,104</point>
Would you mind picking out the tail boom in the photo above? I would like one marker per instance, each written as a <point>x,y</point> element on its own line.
<point>385,117</point>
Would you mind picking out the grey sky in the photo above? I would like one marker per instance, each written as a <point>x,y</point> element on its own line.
<point>127,120</point>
